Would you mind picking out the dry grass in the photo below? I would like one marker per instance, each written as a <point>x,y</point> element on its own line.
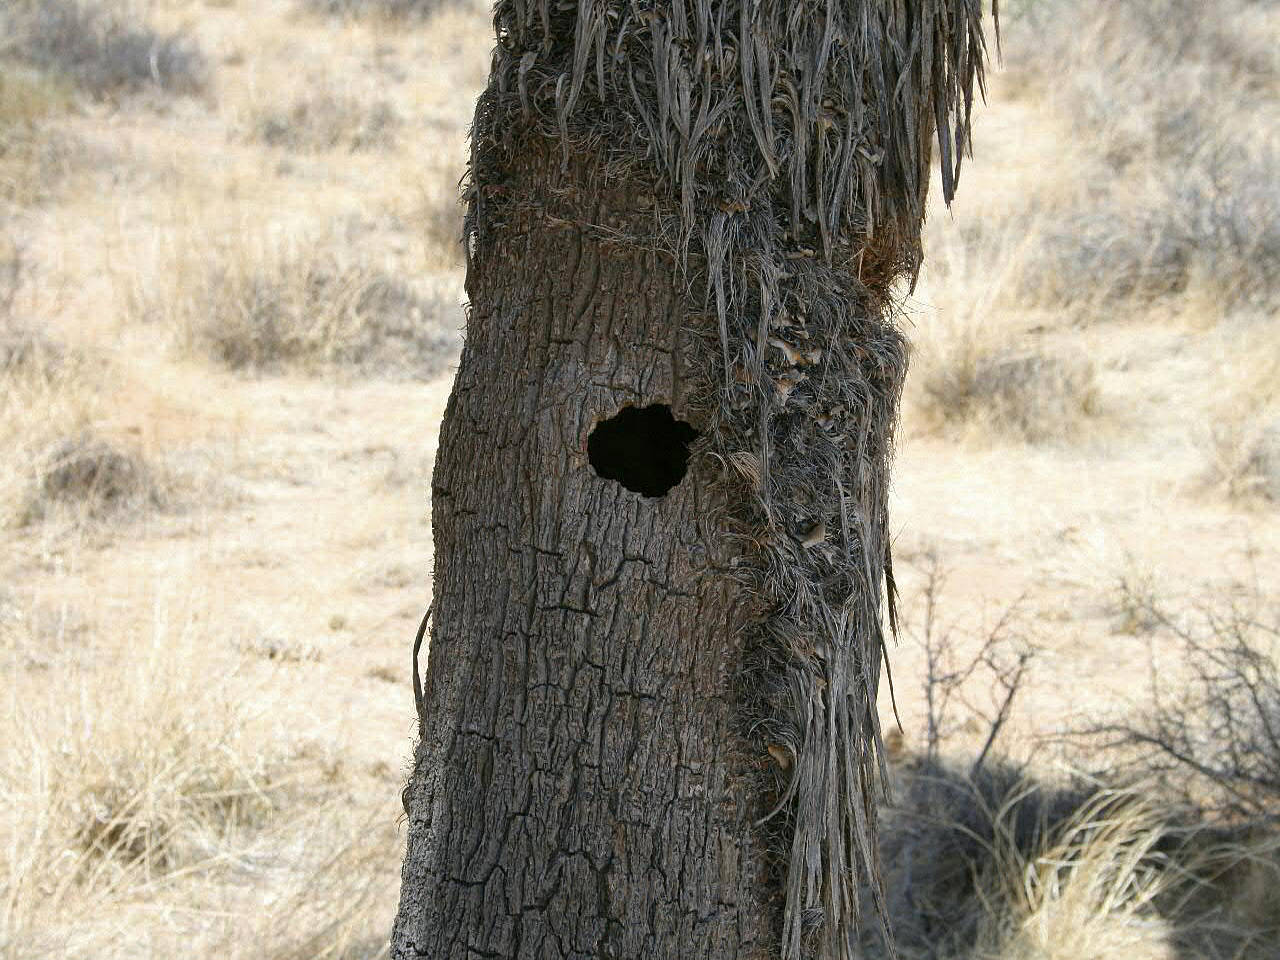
<point>1241,440</point>
<point>1027,395</point>
<point>56,462</point>
<point>328,121</point>
<point>33,155</point>
<point>152,782</point>
<point>384,9</point>
<point>271,308</point>
<point>1186,202</point>
<point>99,49</point>
<point>993,381</point>
<point>1088,893</point>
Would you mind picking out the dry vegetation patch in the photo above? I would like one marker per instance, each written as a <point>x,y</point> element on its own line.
<point>389,9</point>
<point>328,121</point>
<point>1190,195</point>
<point>33,154</point>
<point>148,774</point>
<point>99,49</point>
<point>57,462</point>
<point>305,309</point>
<point>1030,395</point>
<point>1170,853</point>
<point>1242,439</point>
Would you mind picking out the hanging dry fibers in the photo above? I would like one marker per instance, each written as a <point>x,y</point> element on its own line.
<point>786,145</point>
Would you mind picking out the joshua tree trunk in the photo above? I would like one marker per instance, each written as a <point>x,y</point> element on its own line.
<point>649,725</point>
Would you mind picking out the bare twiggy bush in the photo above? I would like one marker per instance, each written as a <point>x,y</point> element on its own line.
<point>274,309</point>
<point>1212,739</point>
<point>997,661</point>
<point>1133,601</point>
<point>988,860</point>
<point>328,121</point>
<point>99,49</point>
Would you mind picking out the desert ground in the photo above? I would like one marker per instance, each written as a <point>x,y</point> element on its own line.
<point>230,306</point>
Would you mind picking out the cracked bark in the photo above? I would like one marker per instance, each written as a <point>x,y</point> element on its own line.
<point>583,788</point>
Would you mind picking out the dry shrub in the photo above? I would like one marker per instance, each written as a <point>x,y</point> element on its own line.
<point>1211,738</point>
<point>93,476</point>
<point>99,49</point>
<point>1244,459</point>
<point>33,157</point>
<point>1029,394</point>
<point>1208,745</point>
<point>1089,893</point>
<point>988,860</point>
<point>280,309</point>
<point>57,463</point>
<point>1175,104</point>
<point>949,836</point>
<point>145,765</point>
<point>439,219</point>
<point>55,460</point>
<point>1101,258</point>
<point>1242,439</point>
<point>387,9</point>
<point>328,121</point>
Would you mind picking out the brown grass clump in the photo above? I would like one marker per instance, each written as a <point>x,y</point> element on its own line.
<point>278,309</point>
<point>99,50</point>
<point>1241,441</point>
<point>144,768</point>
<point>328,121</point>
<point>1028,395</point>
<point>95,476</point>
<point>56,461</point>
<point>1089,893</point>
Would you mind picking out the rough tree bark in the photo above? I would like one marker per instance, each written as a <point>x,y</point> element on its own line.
<point>649,723</point>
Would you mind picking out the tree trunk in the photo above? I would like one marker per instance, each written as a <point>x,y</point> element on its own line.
<point>583,787</point>
<point>649,726</point>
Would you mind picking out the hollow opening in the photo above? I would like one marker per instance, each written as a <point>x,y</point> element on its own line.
<point>646,449</point>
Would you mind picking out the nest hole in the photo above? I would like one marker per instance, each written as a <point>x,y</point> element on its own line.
<point>646,449</point>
